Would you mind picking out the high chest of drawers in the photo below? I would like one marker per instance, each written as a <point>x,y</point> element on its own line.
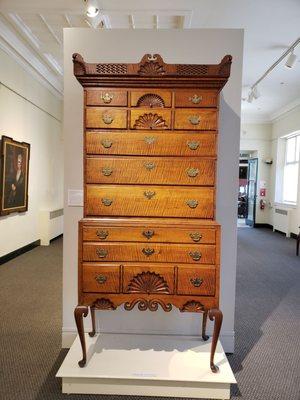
<point>149,237</point>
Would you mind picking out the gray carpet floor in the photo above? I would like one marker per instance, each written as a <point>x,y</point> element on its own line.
<point>266,362</point>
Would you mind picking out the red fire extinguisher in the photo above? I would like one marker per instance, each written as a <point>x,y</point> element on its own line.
<point>262,204</point>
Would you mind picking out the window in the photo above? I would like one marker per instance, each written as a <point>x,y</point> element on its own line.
<point>291,170</point>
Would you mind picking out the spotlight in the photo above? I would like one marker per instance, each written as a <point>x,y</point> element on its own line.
<point>250,97</point>
<point>291,60</point>
<point>92,8</point>
<point>255,92</point>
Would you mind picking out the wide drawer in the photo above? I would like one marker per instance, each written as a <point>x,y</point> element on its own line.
<point>196,280</point>
<point>146,170</point>
<point>143,118</point>
<point>151,252</point>
<point>103,97</point>
<point>150,234</point>
<point>151,98</point>
<point>102,278</point>
<point>151,143</point>
<point>195,119</point>
<point>148,279</point>
<point>100,117</point>
<point>153,201</point>
<point>196,98</point>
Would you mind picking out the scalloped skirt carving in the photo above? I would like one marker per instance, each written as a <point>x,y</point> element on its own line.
<point>144,305</point>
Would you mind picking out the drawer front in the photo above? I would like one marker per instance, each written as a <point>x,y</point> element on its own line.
<point>150,143</point>
<point>103,97</point>
<point>168,171</point>
<point>196,280</point>
<point>100,278</point>
<point>156,118</point>
<point>149,233</point>
<point>152,201</point>
<point>195,119</point>
<point>148,279</point>
<point>100,117</point>
<point>196,98</point>
<point>154,252</point>
<point>151,98</point>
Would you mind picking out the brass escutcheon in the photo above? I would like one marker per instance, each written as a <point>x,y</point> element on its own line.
<point>101,278</point>
<point>149,165</point>
<point>101,253</point>
<point>148,252</point>
<point>107,119</point>
<point>194,119</point>
<point>192,203</point>
<point>149,194</point>
<point>106,143</point>
<point>193,145</point>
<point>148,234</point>
<point>106,171</point>
<point>192,172</point>
<point>149,139</point>
<point>196,236</point>
<point>196,281</point>
<point>107,202</point>
<point>106,98</point>
<point>195,99</point>
<point>196,255</point>
<point>102,234</point>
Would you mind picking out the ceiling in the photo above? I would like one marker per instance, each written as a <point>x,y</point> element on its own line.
<point>32,31</point>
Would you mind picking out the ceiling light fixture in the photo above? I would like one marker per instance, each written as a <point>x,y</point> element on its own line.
<point>92,8</point>
<point>291,59</point>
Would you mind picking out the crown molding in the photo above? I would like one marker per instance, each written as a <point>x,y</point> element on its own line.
<point>26,57</point>
<point>282,112</point>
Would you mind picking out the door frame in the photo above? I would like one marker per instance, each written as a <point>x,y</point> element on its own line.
<point>249,222</point>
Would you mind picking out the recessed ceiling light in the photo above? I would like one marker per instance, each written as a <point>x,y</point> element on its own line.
<point>92,8</point>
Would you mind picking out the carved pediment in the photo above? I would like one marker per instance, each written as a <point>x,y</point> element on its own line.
<point>152,65</point>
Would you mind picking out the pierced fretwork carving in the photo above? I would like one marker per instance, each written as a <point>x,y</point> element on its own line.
<point>150,121</point>
<point>192,69</point>
<point>148,282</point>
<point>111,69</point>
<point>192,306</point>
<point>104,304</point>
<point>150,100</point>
<point>144,305</point>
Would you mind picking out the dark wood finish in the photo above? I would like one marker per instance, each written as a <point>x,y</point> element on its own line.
<point>149,238</point>
<point>80,312</point>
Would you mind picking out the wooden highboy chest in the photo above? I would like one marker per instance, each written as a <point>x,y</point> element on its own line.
<point>149,236</point>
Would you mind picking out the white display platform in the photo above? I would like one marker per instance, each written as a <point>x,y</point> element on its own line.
<point>146,365</point>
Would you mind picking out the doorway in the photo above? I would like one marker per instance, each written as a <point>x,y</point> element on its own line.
<point>251,191</point>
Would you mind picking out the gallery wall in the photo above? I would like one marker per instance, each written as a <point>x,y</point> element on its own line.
<point>37,121</point>
<point>188,46</point>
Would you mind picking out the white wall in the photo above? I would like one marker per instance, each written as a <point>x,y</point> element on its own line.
<point>23,121</point>
<point>189,46</point>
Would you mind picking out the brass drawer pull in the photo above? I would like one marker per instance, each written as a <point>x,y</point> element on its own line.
<point>195,99</point>
<point>149,194</point>
<point>106,143</point>
<point>196,255</point>
<point>149,165</point>
<point>193,145</point>
<point>102,234</point>
<point>107,98</point>
<point>101,253</point>
<point>148,252</point>
<point>107,119</point>
<point>196,237</point>
<point>107,202</point>
<point>194,119</point>
<point>106,171</point>
<point>149,139</point>
<point>148,234</point>
<point>192,172</point>
<point>101,279</point>
<point>192,203</point>
<point>196,281</point>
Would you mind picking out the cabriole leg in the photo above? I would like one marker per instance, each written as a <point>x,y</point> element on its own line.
<point>217,316</point>
<point>93,333</point>
<point>79,313</point>
<point>204,320</point>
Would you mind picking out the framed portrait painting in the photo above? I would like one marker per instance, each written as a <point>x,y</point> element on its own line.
<point>14,175</point>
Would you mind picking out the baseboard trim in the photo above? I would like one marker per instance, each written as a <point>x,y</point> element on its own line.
<point>56,237</point>
<point>18,252</point>
<point>261,225</point>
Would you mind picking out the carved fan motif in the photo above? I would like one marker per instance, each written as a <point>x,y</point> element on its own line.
<point>150,100</point>
<point>150,121</point>
<point>192,306</point>
<point>153,65</point>
<point>104,304</point>
<point>148,282</point>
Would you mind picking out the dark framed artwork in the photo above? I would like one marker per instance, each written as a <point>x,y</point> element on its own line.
<point>14,176</point>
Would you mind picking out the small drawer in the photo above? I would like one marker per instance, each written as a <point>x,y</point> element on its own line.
<point>102,97</point>
<point>109,118</point>
<point>196,98</point>
<point>102,278</point>
<point>194,119</point>
<point>149,252</point>
<point>151,98</point>
<point>200,281</point>
<point>156,118</point>
<point>149,233</point>
<point>151,170</point>
<point>148,279</point>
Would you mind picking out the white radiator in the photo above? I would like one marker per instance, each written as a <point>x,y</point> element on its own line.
<point>281,220</point>
<point>50,225</point>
